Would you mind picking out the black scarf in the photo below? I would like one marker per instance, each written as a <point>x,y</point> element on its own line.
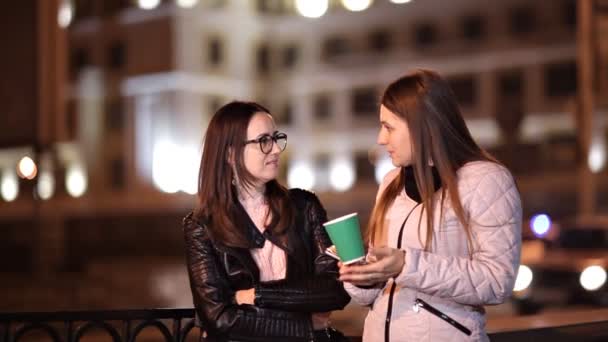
<point>411,189</point>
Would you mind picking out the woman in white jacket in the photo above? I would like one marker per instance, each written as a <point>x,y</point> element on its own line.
<point>445,232</point>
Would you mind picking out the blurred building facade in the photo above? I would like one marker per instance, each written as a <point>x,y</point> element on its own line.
<point>143,83</point>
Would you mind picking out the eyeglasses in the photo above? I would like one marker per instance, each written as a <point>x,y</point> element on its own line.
<point>267,141</point>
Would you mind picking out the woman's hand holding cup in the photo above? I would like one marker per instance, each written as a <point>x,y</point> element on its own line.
<point>382,264</point>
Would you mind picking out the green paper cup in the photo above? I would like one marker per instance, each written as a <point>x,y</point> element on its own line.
<point>345,234</point>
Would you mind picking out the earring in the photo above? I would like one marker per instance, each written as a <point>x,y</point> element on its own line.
<point>233,181</point>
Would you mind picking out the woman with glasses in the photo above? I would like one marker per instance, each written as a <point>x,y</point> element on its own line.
<point>445,233</point>
<point>255,250</point>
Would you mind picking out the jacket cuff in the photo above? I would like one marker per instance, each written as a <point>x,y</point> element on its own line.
<point>361,296</point>
<point>373,286</point>
<point>257,295</point>
<point>410,266</point>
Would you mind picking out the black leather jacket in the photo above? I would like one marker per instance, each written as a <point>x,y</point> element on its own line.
<point>282,310</point>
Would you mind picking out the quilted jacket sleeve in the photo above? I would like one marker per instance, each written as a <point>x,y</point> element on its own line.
<point>321,291</point>
<point>492,200</point>
<point>214,299</point>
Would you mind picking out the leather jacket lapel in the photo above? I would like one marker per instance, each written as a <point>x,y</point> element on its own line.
<point>243,255</point>
<point>291,244</point>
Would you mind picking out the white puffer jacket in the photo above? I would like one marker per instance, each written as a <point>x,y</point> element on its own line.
<point>448,277</point>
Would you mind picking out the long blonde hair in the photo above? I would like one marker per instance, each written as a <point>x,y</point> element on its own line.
<point>439,136</point>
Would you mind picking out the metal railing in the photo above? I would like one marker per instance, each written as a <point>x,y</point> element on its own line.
<point>177,325</point>
<point>121,325</point>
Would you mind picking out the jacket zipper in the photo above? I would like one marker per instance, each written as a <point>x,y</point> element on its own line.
<point>389,309</point>
<point>419,303</point>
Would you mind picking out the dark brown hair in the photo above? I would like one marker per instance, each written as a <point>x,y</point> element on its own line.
<point>439,135</point>
<point>218,197</point>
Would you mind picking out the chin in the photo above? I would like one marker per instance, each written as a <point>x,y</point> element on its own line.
<point>269,178</point>
<point>401,163</point>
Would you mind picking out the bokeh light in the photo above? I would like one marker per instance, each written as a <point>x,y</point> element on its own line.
<point>312,8</point>
<point>383,166</point>
<point>65,13</point>
<point>356,5</point>
<point>597,154</point>
<point>164,160</point>
<point>593,277</point>
<point>342,175</point>
<point>301,175</point>
<point>187,3</point>
<point>524,278</point>
<point>175,168</point>
<point>540,224</point>
<point>26,168</point>
<point>9,188</point>
<point>46,185</point>
<point>76,180</point>
<point>148,4</point>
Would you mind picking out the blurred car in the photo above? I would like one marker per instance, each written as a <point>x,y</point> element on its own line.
<point>565,265</point>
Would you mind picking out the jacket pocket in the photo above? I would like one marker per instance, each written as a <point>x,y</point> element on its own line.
<point>420,304</point>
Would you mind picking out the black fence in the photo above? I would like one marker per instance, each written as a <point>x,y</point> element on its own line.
<point>175,325</point>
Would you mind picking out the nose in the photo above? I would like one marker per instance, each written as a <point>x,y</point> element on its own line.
<point>275,148</point>
<point>382,139</point>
